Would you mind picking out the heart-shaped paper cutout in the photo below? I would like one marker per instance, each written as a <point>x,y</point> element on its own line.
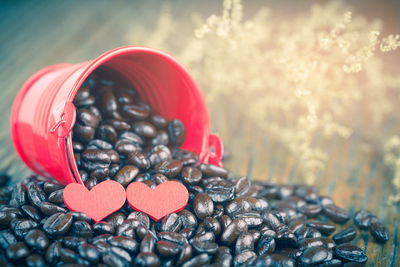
<point>102,200</point>
<point>166,198</point>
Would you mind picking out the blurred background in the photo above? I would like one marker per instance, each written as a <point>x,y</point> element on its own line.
<point>299,91</point>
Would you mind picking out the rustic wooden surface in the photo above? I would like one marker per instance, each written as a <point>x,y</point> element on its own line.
<point>35,34</point>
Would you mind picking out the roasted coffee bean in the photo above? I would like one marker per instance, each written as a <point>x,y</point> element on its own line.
<point>126,175</point>
<point>265,245</point>
<point>70,256</point>
<point>36,239</point>
<point>18,196</point>
<point>94,159</point>
<point>146,259</point>
<point>21,227</point>
<point>169,169</point>
<point>167,248</point>
<point>188,219</point>
<point>81,229</point>
<point>80,216</point>
<point>53,252</point>
<point>350,252</point>
<point>144,129</point>
<point>285,238</point>
<point>253,219</point>
<point>58,223</point>
<point>159,154</point>
<point>220,190</point>
<point>233,230</point>
<point>127,228</point>
<point>36,194</point>
<point>87,118</point>
<point>125,146</point>
<point>115,219</point>
<point>244,242</point>
<point>244,259</point>
<point>158,121</point>
<point>48,208</point>
<point>310,210</point>
<point>345,236</point>
<point>307,232</point>
<point>242,186</point>
<point>378,231</point>
<point>314,255</point>
<point>274,260</point>
<point>171,223</point>
<point>35,260</point>
<point>191,175</point>
<point>361,218</point>
<point>17,251</point>
<point>271,220</point>
<point>199,260</point>
<point>73,242</point>
<point>203,206</point>
<point>83,133</point>
<point>116,257</point>
<point>6,218</point>
<point>324,227</point>
<point>135,112</point>
<point>336,214</point>
<point>56,197</point>
<point>148,243</point>
<point>124,242</point>
<point>159,178</point>
<point>139,160</point>
<point>119,125</point>
<point>210,170</point>
<point>177,132</point>
<point>6,239</point>
<point>161,138</point>
<point>89,252</point>
<point>99,144</point>
<point>317,242</point>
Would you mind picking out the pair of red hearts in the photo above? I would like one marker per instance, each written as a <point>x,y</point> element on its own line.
<point>109,196</point>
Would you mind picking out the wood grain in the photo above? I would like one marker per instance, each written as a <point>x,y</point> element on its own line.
<point>35,34</point>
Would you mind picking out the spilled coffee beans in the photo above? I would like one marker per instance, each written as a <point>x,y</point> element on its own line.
<point>228,221</point>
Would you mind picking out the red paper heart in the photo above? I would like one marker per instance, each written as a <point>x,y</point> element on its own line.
<point>102,200</point>
<point>166,198</point>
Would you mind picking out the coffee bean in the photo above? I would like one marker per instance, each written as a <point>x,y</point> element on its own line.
<point>210,170</point>
<point>6,239</point>
<point>199,260</point>
<point>21,227</point>
<point>177,132</point>
<point>361,218</point>
<point>36,194</point>
<point>242,186</point>
<point>35,260</point>
<point>53,252</point>
<point>124,242</point>
<point>146,259</point>
<point>314,255</point>
<point>171,223</point>
<point>159,154</point>
<point>81,229</point>
<point>167,248</point>
<point>89,252</point>
<point>36,239</point>
<point>144,129</point>
<point>323,227</point>
<point>244,259</point>
<point>148,243</point>
<point>336,214</point>
<point>350,252</point>
<point>233,230</point>
<point>17,251</point>
<point>345,236</point>
<point>58,223</point>
<point>161,138</point>
<point>203,206</point>
<point>18,197</point>
<point>139,160</point>
<point>126,175</point>
<point>169,169</point>
<point>378,231</point>
<point>135,112</point>
<point>48,208</point>
<point>56,197</point>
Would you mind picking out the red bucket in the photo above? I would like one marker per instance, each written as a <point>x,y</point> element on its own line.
<point>43,114</point>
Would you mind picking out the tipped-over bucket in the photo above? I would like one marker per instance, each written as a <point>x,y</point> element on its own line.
<point>43,114</point>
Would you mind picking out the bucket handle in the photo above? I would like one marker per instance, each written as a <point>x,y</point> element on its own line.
<point>215,151</point>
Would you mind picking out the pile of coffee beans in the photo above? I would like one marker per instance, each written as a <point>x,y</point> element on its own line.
<point>228,221</point>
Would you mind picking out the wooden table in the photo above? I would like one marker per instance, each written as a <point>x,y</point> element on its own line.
<point>34,35</point>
